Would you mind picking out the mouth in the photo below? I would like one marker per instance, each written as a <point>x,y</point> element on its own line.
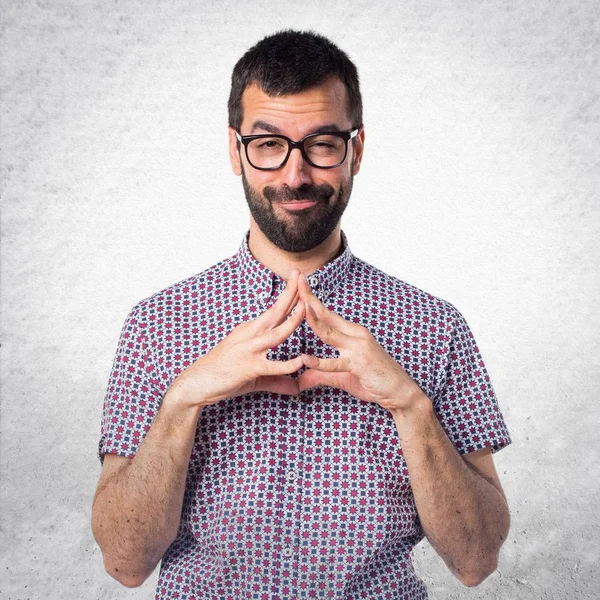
<point>298,204</point>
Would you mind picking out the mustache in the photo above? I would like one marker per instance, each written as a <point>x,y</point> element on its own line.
<point>304,192</point>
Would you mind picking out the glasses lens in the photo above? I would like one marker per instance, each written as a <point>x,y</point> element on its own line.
<point>325,150</point>
<point>267,153</point>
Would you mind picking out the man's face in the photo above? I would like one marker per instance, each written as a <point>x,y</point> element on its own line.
<point>270,194</point>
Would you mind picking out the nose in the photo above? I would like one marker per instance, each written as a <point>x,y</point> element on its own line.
<point>296,170</point>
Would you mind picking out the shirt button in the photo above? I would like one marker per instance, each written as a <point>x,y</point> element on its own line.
<point>287,552</point>
<point>291,475</point>
<point>313,280</point>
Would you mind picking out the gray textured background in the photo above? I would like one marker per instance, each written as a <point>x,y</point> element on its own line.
<point>479,184</point>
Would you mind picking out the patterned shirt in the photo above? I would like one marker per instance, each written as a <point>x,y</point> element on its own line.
<point>307,496</point>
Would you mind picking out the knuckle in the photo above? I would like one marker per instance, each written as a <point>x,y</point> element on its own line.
<point>364,333</point>
<point>244,326</point>
<point>268,339</point>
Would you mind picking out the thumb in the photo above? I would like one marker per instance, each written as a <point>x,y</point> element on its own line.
<point>312,378</point>
<point>278,384</point>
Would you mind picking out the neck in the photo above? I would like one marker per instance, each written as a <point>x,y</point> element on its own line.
<point>281,262</point>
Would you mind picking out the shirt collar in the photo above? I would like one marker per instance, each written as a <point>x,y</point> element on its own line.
<point>263,282</point>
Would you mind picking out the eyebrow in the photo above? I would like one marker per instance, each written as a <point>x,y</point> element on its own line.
<point>275,130</point>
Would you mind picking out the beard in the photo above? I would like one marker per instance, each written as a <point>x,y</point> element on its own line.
<point>301,230</point>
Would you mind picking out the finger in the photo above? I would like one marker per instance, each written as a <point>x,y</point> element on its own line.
<point>276,314</point>
<point>275,336</point>
<point>286,301</point>
<point>326,331</point>
<point>278,384</point>
<point>323,312</point>
<point>281,367</point>
<point>329,365</point>
<point>311,378</point>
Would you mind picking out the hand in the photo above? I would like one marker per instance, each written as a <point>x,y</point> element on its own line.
<point>238,364</point>
<point>363,369</point>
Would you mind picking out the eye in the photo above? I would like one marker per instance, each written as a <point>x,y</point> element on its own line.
<point>270,144</point>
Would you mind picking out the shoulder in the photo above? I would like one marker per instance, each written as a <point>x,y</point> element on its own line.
<point>403,296</point>
<point>191,292</point>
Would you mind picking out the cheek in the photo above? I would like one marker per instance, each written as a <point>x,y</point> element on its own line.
<point>339,178</point>
<point>262,179</point>
<point>333,177</point>
<point>258,180</point>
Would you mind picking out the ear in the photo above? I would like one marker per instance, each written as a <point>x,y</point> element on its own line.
<point>234,153</point>
<point>358,150</point>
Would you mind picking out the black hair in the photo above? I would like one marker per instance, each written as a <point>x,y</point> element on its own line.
<point>290,62</point>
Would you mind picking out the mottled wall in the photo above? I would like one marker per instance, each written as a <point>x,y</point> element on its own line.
<point>479,185</point>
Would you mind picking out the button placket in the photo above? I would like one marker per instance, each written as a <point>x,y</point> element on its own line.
<point>286,522</point>
<point>304,492</point>
<point>293,477</point>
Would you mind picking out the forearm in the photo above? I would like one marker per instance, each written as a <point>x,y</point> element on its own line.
<point>464,516</point>
<point>136,512</point>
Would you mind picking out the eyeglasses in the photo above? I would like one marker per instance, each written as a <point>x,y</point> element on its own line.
<point>269,152</point>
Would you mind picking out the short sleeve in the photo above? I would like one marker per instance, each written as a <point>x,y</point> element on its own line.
<point>133,394</point>
<point>465,400</point>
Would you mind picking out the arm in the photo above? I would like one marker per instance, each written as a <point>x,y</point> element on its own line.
<point>462,508</point>
<point>459,500</point>
<point>138,501</point>
<point>137,507</point>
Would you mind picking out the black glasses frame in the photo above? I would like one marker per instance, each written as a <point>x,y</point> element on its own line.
<point>345,135</point>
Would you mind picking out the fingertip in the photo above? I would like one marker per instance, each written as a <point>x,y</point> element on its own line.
<point>298,310</point>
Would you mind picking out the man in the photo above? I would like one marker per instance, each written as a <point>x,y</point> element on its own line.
<point>290,422</point>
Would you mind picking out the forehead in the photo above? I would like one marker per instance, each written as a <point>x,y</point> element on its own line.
<point>324,104</point>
